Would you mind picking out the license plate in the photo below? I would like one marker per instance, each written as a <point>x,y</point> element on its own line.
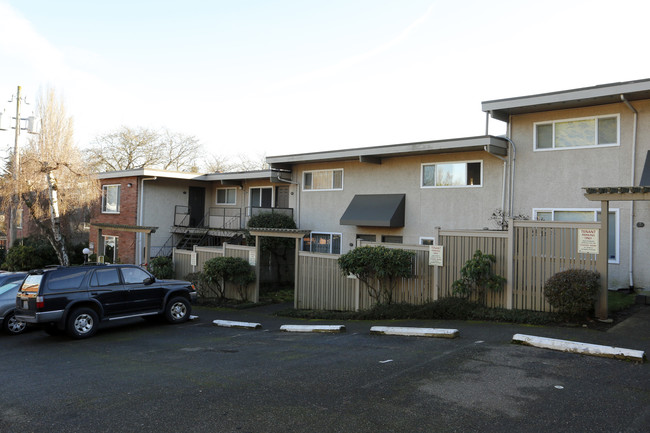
<point>25,305</point>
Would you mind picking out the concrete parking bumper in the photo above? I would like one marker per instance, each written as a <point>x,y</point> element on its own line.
<point>580,348</point>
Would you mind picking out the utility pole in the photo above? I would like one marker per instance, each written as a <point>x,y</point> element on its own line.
<point>13,232</point>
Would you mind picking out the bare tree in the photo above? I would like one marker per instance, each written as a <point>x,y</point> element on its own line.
<point>53,179</point>
<point>224,164</point>
<point>128,148</point>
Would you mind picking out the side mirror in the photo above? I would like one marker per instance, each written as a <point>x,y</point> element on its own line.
<point>149,280</point>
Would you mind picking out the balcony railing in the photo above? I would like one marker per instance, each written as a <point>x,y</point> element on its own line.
<point>225,218</point>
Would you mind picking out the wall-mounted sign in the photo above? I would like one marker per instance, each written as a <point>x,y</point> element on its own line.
<point>435,255</point>
<point>252,257</point>
<point>588,242</point>
<point>193,259</point>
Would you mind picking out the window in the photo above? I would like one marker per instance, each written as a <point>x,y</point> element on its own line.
<point>328,243</point>
<point>110,249</point>
<point>111,199</point>
<point>367,238</point>
<point>585,215</point>
<point>323,180</point>
<point>227,196</point>
<point>19,218</point>
<point>427,241</point>
<point>452,174</point>
<point>66,279</point>
<point>134,275</point>
<point>391,239</point>
<point>105,277</point>
<point>572,133</point>
<point>261,197</point>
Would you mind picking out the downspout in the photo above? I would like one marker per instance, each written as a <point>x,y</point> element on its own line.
<point>141,219</point>
<point>512,168</point>
<point>503,191</point>
<point>634,131</point>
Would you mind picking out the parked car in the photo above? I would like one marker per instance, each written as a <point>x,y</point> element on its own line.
<point>9,284</point>
<point>76,299</point>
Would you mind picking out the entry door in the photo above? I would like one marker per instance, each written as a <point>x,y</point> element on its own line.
<point>196,203</point>
<point>282,197</point>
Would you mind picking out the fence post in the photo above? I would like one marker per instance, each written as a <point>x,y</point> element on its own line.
<point>602,261</point>
<point>436,269</point>
<point>510,270</point>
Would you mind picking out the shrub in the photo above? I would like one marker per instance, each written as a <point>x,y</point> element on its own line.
<point>221,270</point>
<point>572,292</point>
<point>162,267</point>
<point>477,277</point>
<point>379,268</point>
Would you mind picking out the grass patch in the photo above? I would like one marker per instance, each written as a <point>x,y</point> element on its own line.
<point>617,301</point>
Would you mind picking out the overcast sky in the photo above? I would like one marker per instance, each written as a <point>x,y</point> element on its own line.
<point>280,77</point>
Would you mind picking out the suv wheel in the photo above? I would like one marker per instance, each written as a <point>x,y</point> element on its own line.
<point>178,310</point>
<point>82,323</point>
<point>13,326</point>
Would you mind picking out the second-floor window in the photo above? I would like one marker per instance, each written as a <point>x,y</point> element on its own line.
<point>261,197</point>
<point>322,180</point>
<point>576,133</point>
<point>452,174</point>
<point>227,196</point>
<point>111,199</point>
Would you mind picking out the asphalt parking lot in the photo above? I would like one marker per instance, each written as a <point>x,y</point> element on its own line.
<point>144,377</point>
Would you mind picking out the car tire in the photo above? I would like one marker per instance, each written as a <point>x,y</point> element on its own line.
<point>82,323</point>
<point>178,310</point>
<point>13,326</point>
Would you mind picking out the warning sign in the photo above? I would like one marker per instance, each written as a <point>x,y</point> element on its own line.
<point>588,241</point>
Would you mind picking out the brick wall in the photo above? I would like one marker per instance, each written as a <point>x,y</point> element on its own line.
<point>126,216</point>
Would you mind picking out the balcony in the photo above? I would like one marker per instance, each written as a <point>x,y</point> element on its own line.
<point>222,218</point>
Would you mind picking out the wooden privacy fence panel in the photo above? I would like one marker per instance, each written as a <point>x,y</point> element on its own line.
<point>459,246</point>
<point>182,263</point>
<point>322,286</point>
<point>541,250</point>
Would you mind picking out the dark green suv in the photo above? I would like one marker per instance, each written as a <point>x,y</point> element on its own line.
<point>76,299</point>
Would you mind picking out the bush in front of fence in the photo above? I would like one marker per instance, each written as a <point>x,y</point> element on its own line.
<point>477,277</point>
<point>572,293</point>
<point>162,267</point>
<point>379,268</point>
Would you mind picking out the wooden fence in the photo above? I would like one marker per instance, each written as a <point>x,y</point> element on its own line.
<point>188,262</point>
<point>527,255</point>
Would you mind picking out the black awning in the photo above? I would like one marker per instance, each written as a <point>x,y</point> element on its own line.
<point>375,210</point>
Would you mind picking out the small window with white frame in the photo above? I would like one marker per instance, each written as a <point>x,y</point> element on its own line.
<point>227,196</point>
<point>597,131</point>
<point>427,240</point>
<point>326,243</point>
<point>111,198</point>
<point>322,180</point>
<point>465,174</point>
<point>586,215</point>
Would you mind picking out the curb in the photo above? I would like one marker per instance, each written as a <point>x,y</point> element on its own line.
<point>580,348</point>
<point>231,324</point>
<point>313,328</point>
<point>415,332</point>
